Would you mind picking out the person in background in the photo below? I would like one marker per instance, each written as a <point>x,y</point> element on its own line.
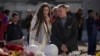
<point>3,24</point>
<point>27,22</point>
<point>54,14</point>
<point>1,27</point>
<point>92,33</point>
<point>79,17</point>
<point>98,21</point>
<point>69,11</point>
<point>64,31</point>
<point>41,27</point>
<point>28,19</point>
<point>14,31</point>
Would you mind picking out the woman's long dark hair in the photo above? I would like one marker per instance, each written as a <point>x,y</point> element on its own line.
<point>41,18</point>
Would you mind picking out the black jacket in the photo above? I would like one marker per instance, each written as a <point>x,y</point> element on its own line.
<point>14,32</point>
<point>91,25</point>
<point>27,22</point>
<point>65,35</point>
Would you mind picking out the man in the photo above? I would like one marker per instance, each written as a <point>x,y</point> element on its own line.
<point>80,20</point>
<point>27,22</point>
<point>64,31</point>
<point>92,32</point>
<point>3,24</point>
<point>28,19</point>
<point>69,11</point>
<point>14,31</point>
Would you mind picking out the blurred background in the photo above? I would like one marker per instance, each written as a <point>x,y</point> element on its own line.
<point>21,6</point>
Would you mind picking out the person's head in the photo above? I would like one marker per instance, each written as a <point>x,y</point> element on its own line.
<point>55,10</point>
<point>90,12</point>
<point>6,12</point>
<point>44,10</point>
<point>29,12</point>
<point>62,10</point>
<point>15,17</point>
<point>67,8</point>
<point>79,11</point>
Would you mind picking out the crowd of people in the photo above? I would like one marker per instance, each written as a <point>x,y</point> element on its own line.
<point>57,25</point>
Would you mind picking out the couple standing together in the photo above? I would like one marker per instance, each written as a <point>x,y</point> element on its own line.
<point>62,32</point>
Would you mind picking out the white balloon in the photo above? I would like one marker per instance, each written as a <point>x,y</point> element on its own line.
<point>33,48</point>
<point>51,50</point>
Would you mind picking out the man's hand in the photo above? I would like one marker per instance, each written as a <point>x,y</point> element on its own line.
<point>64,48</point>
<point>21,40</point>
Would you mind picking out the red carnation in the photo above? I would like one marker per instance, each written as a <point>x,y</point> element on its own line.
<point>10,46</point>
<point>19,48</point>
<point>1,55</point>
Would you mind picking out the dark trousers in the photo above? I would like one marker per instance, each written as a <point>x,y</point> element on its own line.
<point>28,38</point>
<point>92,42</point>
<point>80,29</point>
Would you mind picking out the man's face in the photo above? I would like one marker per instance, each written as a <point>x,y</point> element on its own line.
<point>16,18</point>
<point>29,12</point>
<point>61,12</point>
<point>91,14</point>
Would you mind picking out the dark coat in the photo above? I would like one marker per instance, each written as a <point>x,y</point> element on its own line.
<point>14,32</point>
<point>65,35</point>
<point>92,34</point>
<point>27,22</point>
<point>91,26</point>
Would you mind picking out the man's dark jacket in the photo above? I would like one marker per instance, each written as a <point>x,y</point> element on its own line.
<point>14,32</point>
<point>66,34</point>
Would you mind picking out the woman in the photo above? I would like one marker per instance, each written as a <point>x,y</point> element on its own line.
<point>40,27</point>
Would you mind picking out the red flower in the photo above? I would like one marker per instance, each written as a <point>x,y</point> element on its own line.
<point>10,46</point>
<point>1,55</point>
<point>14,47</point>
<point>19,48</point>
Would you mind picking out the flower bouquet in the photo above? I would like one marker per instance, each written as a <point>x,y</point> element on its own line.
<point>14,50</point>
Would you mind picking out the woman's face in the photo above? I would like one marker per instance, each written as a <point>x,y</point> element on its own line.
<point>46,11</point>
